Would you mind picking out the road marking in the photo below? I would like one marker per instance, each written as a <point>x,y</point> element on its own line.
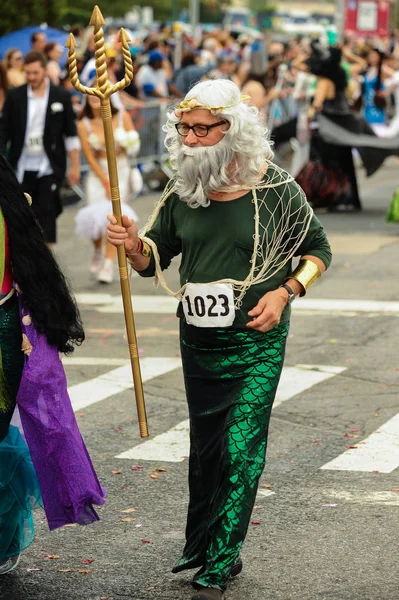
<point>264,493</point>
<point>106,303</point>
<point>91,361</point>
<point>295,380</point>
<point>149,332</point>
<point>367,306</point>
<point>380,497</point>
<point>378,452</point>
<point>118,380</point>
<point>173,446</point>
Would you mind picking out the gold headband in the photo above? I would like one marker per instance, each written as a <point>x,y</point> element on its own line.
<point>194,104</point>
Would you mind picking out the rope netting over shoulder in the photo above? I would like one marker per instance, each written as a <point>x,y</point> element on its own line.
<point>280,226</point>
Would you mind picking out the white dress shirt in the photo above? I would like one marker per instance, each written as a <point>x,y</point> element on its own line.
<point>33,156</point>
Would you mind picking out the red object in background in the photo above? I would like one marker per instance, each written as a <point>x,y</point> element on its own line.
<point>368,17</point>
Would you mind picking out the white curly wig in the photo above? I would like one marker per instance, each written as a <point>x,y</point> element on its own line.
<point>240,157</point>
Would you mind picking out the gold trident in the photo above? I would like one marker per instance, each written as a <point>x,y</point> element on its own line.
<point>103,90</point>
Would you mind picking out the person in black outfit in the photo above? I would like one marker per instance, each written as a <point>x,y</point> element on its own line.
<point>39,132</point>
<point>329,178</point>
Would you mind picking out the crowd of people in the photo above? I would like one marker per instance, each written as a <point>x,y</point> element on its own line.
<point>302,89</point>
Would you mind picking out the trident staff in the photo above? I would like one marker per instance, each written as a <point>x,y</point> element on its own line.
<point>103,90</point>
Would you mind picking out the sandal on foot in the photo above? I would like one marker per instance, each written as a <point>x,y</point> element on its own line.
<point>208,594</point>
<point>9,564</point>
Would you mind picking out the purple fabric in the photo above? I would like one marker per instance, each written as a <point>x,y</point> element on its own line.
<point>66,475</point>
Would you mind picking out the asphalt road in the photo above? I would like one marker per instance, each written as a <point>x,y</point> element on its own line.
<point>325,526</point>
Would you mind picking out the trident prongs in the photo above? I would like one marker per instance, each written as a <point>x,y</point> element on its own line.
<point>127,60</point>
<point>103,88</point>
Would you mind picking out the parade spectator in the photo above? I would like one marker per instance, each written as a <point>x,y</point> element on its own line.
<point>85,50</point>
<point>374,78</point>
<point>39,132</point>
<point>38,41</point>
<point>76,97</point>
<point>14,62</point>
<point>78,32</point>
<point>241,73</point>
<point>231,362</point>
<point>151,78</point>
<point>391,129</point>
<point>126,99</point>
<point>209,50</point>
<point>53,52</point>
<point>254,87</point>
<point>190,72</point>
<point>226,66</point>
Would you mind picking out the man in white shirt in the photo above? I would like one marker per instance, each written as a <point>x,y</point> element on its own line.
<point>39,133</point>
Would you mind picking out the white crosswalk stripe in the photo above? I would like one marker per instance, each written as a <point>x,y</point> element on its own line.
<point>173,446</point>
<point>379,452</point>
<point>94,390</point>
<point>106,303</point>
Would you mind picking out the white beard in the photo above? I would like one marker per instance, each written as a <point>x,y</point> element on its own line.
<point>202,170</point>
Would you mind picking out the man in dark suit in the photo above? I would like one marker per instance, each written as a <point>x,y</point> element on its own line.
<point>39,133</point>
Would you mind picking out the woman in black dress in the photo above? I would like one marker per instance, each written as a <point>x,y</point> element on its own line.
<point>329,178</point>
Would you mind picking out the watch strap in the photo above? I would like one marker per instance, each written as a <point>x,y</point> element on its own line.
<point>291,293</point>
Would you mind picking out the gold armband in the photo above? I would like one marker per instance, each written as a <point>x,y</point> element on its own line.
<point>306,273</point>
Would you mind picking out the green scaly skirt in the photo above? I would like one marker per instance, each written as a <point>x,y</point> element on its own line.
<point>231,377</point>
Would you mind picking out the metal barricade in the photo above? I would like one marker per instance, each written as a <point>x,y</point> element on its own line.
<point>148,122</point>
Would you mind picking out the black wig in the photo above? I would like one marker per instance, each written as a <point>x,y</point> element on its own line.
<point>325,62</point>
<point>35,270</point>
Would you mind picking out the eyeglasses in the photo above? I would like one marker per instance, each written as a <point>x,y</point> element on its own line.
<point>199,130</point>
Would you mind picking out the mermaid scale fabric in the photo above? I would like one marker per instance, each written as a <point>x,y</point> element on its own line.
<point>231,378</point>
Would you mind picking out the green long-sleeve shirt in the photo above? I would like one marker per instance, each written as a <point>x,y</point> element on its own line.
<point>216,242</point>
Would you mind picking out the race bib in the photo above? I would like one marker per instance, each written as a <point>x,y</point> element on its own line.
<point>209,304</point>
<point>35,143</point>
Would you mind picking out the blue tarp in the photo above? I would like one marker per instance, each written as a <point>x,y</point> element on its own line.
<point>21,39</point>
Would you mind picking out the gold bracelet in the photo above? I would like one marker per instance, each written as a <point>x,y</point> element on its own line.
<point>306,273</point>
<point>144,249</point>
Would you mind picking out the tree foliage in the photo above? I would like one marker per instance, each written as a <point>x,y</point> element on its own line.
<point>80,10</point>
<point>16,14</point>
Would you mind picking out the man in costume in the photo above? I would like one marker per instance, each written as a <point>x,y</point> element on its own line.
<point>237,220</point>
<point>52,468</point>
<point>39,131</point>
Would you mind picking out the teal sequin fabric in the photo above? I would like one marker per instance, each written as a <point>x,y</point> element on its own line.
<point>231,377</point>
<point>12,361</point>
<point>19,487</point>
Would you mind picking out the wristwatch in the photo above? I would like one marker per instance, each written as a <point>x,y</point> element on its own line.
<point>291,295</point>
